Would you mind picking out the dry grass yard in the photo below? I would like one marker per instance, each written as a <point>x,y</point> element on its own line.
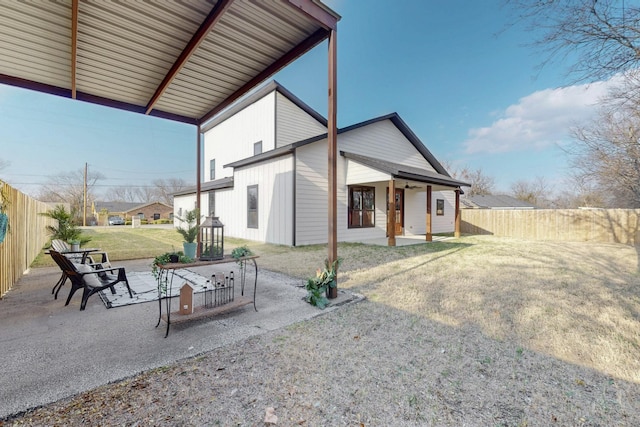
<point>478,331</point>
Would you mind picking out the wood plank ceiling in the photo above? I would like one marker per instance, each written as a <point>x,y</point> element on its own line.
<point>181,60</point>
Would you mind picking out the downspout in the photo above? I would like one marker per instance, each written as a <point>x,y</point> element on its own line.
<point>429,218</point>
<point>456,233</point>
<point>295,193</point>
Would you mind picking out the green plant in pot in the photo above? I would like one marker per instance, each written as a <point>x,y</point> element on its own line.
<point>66,229</point>
<point>189,232</point>
<point>4,206</point>
<point>324,284</point>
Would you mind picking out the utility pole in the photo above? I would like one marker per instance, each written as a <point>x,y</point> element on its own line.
<point>84,215</point>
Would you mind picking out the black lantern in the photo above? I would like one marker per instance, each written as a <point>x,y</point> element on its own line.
<point>211,239</point>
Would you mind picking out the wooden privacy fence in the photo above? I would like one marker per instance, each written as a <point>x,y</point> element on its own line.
<point>579,225</point>
<point>26,236</point>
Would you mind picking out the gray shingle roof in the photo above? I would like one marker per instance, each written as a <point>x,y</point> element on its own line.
<point>496,201</point>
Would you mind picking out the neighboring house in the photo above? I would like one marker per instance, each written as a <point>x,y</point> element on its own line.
<point>491,201</point>
<point>266,173</point>
<point>149,211</point>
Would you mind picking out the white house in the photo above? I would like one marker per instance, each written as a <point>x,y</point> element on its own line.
<point>267,175</point>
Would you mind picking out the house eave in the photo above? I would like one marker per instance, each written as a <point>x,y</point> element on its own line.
<point>218,184</point>
<point>399,171</point>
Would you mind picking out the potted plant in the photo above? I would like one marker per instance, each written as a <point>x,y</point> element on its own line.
<point>189,232</point>
<point>239,252</point>
<point>4,205</point>
<point>75,244</point>
<point>66,229</point>
<point>323,285</point>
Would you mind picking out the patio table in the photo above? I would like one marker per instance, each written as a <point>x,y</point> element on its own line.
<point>165,285</point>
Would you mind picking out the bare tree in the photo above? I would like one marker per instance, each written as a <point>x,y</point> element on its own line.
<point>69,188</point>
<point>160,191</point>
<point>536,191</point>
<point>606,154</point>
<point>600,37</point>
<point>576,192</point>
<point>123,194</point>
<point>481,184</point>
<point>165,189</point>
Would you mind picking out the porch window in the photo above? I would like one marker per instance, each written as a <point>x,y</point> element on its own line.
<point>252,206</point>
<point>439,206</point>
<point>362,207</point>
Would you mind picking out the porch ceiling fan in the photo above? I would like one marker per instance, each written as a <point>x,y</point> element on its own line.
<point>410,187</point>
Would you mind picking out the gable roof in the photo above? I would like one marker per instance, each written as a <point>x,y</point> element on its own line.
<point>257,95</point>
<point>408,133</point>
<point>152,203</point>
<point>495,201</point>
<point>115,207</point>
<point>125,206</point>
<point>405,172</point>
<point>393,117</point>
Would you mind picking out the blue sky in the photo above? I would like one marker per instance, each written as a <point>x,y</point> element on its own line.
<point>454,70</point>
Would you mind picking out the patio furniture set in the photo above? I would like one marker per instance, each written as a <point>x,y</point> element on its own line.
<point>80,267</point>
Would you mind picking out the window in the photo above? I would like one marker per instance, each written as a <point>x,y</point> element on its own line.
<point>257,148</point>
<point>440,207</point>
<point>212,169</point>
<point>141,215</point>
<point>156,216</point>
<point>212,203</point>
<point>252,206</point>
<point>362,207</point>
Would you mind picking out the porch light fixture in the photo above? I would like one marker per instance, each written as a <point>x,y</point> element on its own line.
<point>211,239</point>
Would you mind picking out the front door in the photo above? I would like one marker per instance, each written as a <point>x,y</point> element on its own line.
<point>399,210</point>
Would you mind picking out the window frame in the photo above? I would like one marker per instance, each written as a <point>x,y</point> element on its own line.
<point>255,146</point>
<point>212,169</point>
<point>361,210</point>
<point>439,207</point>
<point>251,211</point>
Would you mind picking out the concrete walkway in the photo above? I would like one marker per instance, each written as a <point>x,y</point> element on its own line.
<point>50,352</point>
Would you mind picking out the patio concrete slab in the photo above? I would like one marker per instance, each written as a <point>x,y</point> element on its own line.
<point>51,352</point>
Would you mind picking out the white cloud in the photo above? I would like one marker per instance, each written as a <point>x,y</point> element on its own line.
<point>538,120</point>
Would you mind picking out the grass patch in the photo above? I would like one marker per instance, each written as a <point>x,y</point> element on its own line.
<point>132,243</point>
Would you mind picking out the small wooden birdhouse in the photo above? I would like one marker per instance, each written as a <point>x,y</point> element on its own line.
<point>186,299</point>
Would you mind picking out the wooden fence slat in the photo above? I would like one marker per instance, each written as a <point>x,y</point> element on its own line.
<point>26,237</point>
<point>581,225</point>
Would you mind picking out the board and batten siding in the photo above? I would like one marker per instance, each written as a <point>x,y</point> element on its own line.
<point>181,205</point>
<point>415,212</point>
<point>383,140</point>
<point>233,139</point>
<point>311,194</point>
<point>357,173</point>
<point>274,179</point>
<point>294,124</point>
<point>312,199</point>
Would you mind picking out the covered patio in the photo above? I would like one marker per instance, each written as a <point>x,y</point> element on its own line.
<point>182,61</point>
<point>405,184</point>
